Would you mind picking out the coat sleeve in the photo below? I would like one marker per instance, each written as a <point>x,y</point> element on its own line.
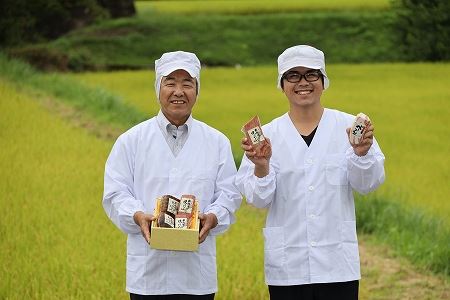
<point>119,199</point>
<point>258,192</point>
<point>227,198</point>
<point>365,173</point>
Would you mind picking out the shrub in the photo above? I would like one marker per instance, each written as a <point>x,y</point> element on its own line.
<point>23,21</point>
<point>422,29</point>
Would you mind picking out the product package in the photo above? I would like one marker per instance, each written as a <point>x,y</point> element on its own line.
<point>358,128</point>
<point>177,224</point>
<point>253,131</point>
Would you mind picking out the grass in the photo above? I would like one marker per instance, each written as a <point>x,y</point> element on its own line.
<point>255,7</point>
<point>418,236</point>
<point>56,241</point>
<point>407,107</point>
<point>99,103</point>
<point>135,43</point>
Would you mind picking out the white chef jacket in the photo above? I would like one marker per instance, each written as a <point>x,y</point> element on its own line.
<point>310,233</point>
<point>140,168</point>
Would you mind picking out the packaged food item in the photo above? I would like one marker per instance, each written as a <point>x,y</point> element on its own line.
<point>184,217</point>
<point>359,125</point>
<point>253,131</point>
<point>182,220</point>
<point>169,204</point>
<point>175,231</point>
<point>166,221</point>
<point>186,204</point>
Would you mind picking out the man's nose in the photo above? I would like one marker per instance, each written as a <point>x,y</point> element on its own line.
<point>178,90</point>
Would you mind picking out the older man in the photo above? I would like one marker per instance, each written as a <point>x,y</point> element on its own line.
<point>306,179</point>
<point>171,153</point>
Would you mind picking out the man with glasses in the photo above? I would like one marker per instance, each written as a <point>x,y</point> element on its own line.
<point>306,180</point>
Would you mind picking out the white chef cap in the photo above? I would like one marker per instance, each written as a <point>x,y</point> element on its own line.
<point>178,60</point>
<point>302,56</point>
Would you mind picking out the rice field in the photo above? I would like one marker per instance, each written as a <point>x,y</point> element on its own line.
<point>407,106</point>
<point>56,241</point>
<point>254,6</point>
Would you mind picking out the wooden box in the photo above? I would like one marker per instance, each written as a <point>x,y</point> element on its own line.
<point>175,238</point>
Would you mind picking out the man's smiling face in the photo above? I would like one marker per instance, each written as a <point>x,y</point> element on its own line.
<point>303,93</point>
<point>177,96</point>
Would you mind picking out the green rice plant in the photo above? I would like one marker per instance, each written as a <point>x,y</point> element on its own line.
<point>97,102</point>
<point>254,7</point>
<point>240,257</point>
<point>218,40</point>
<point>408,108</point>
<point>55,240</point>
<point>422,238</point>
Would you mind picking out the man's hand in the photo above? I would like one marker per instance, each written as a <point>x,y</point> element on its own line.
<point>144,221</point>
<point>366,142</point>
<point>261,162</point>
<point>207,222</point>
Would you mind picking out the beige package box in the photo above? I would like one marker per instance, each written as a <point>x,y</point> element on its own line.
<point>175,238</point>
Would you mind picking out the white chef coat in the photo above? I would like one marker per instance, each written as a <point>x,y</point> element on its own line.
<point>310,233</point>
<point>140,168</point>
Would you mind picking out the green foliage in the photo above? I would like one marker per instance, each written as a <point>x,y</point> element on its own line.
<point>119,9</point>
<point>422,238</point>
<point>97,102</point>
<point>55,239</point>
<point>229,39</point>
<point>24,21</point>
<point>403,102</point>
<point>417,176</point>
<point>422,29</point>
<point>247,7</point>
<point>417,173</point>
<point>30,21</point>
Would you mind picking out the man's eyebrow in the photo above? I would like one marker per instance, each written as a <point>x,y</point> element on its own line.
<point>192,80</point>
<point>189,79</point>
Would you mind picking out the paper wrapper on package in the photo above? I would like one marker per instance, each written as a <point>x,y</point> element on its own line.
<point>186,204</point>
<point>179,232</point>
<point>169,205</point>
<point>358,128</point>
<point>166,220</point>
<point>254,134</point>
<point>184,219</point>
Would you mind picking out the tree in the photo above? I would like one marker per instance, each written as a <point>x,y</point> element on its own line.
<point>422,28</point>
<point>23,21</point>
<point>119,9</point>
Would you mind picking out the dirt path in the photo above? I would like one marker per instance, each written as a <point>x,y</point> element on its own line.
<point>386,277</point>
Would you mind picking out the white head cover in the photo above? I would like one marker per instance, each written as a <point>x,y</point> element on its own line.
<point>178,60</point>
<point>302,56</point>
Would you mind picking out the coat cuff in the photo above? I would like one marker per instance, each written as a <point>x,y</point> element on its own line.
<point>224,219</point>
<point>360,162</point>
<point>126,215</point>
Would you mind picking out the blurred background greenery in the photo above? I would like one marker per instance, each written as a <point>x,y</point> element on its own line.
<point>75,74</point>
<point>109,35</point>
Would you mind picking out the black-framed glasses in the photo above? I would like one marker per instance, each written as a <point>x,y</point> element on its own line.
<point>294,76</point>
